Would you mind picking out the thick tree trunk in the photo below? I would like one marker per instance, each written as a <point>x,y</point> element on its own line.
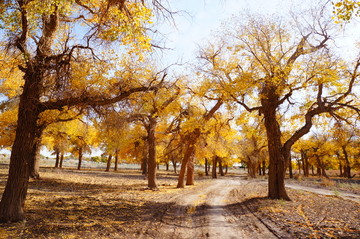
<point>221,170</point>
<point>214,165</point>
<point>277,167</point>
<point>35,162</point>
<point>190,172</point>
<point>144,165</point>
<point>347,168</point>
<point>189,152</point>
<point>13,198</point>
<point>151,153</point>
<point>108,163</point>
<point>80,158</point>
<point>167,166</point>
<point>251,168</point>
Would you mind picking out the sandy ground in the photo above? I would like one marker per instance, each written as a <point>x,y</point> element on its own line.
<point>96,204</point>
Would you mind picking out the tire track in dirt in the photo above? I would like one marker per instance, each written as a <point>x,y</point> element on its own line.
<point>211,211</point>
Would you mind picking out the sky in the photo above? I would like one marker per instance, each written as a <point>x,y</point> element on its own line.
<point>200,17</point>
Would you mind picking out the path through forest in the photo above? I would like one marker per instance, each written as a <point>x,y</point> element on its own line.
<point>206,213</point>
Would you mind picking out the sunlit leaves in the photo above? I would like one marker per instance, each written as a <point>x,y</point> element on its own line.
<point>346,9</point>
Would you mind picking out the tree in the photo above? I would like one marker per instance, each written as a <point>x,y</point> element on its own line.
<point>263,65</point>
<point>192,131</point>
<point>55,68</point>
<point>151,108</point>
<point>253,146</point>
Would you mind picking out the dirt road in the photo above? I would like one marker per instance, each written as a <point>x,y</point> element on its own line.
<point>213,211</point>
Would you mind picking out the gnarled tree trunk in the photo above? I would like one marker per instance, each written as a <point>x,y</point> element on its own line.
<point>277,157</point>
<point>189,151</point>
<point>13,198</point>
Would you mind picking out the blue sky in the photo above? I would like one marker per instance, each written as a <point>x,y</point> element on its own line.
<point>201,17</point>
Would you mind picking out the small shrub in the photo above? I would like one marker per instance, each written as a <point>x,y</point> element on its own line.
<point>200,173</point>
<point>327,182</point>
<point>298,177</point>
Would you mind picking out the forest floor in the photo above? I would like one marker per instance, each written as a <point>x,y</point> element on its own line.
<point>96,204</point>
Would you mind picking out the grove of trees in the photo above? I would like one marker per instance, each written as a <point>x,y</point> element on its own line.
<point>78,75</point>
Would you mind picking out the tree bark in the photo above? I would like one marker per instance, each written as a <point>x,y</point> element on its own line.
<point>57,160</point>
<point>290,169</point>
<point>189,152</point>
<point>190,172</point>
<point>347,168</point>
<point>277,156</point>
<point>152,153</point>
<point>221,170</point>
<point>116,161</point>
<point>80,158</point>
<point>13,198</point>
<point>108,163</point>
<point>214,165</point>
<point>35,162</point>
<point>264,167</point>
<point>206,167</point>
<point>174,165</point>
<point>61,160</point>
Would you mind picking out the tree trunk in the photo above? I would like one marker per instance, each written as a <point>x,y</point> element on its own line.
<point>321,168</point>
<point>167,166</point>
<point>341,170</point>
<point>226,169</point>
<point>347,168</point>
<point>61,160</point>
<point>190,172</point>
<point>277,166</point>
<point>80,158</point>
<point>251,168</point>
<point>214,164</point>
<point>116,160</point>
<point>305,162</point>
<point>189,151</point>
<point>312,170</point>
<point>259,170</point>
<point>264,167</point>
<point>144,165</point>
<point>174,165</point>
<point>35,165</point>
<point>290,169</point>
<point>108,163</point>
<point>13,198</point>
<point>206,167</point>
<point>192,137</point>
<point>57,160</point>
<point>151,153</point>
<point>221,170</point>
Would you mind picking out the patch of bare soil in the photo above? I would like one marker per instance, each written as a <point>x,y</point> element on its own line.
<point>95,204</point>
